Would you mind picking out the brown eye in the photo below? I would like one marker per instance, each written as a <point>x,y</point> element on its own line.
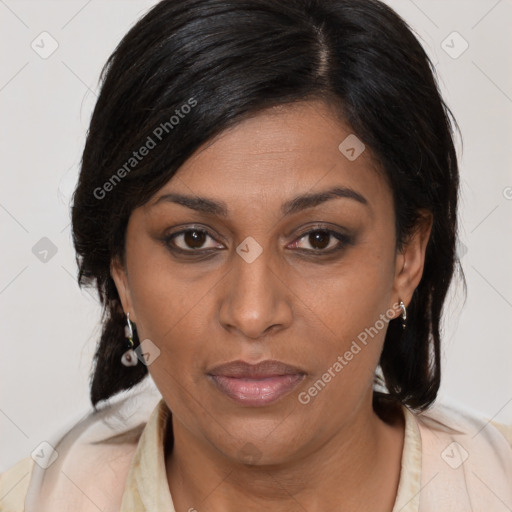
<point>190,240</point>
<point>322,241</point>
<point>319,239</point>
<point>194,239</point>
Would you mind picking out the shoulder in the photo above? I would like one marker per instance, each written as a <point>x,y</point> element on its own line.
<point>85,467</point>
<point>90,476</point>
<point>448,419</point>
<point>466,459</point>
<point>504,429</point>
<point>14,484</point>
<point>82,475</point>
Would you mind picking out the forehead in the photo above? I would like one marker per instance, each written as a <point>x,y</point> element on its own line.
<point>279,153</point>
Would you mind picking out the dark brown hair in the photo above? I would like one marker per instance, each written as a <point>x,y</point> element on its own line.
<point>191,68</point>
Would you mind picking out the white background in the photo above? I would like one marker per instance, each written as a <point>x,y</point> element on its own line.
<point>48,327</point>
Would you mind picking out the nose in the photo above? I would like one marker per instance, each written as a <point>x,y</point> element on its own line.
<point>256,298</point>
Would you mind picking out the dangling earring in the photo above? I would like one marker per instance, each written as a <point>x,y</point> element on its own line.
<point>404,314</point>
<point>129,358</point>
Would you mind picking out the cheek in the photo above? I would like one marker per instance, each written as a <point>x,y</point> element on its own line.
<point>173,305</point>
<point>169,313</point>
<point>352,311</point>
<point>346,355</point>
<point>352,295</point>
<point>163,292</point>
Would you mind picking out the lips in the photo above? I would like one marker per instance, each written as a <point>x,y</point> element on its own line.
<point>261,370</point>
<point>256,384</point>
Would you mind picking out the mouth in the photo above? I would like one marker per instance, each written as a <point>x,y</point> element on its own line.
<point>256,385</point>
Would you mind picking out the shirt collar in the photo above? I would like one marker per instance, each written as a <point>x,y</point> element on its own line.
<point>147,488</point>
<point>409,485</point>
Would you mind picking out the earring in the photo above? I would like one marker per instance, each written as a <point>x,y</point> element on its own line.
<point>404,314</point>
<point>129,358</point>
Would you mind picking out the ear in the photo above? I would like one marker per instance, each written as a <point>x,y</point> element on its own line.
<point>120,277</point>
<point>411,259</point>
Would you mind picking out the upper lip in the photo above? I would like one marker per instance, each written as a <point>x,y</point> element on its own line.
<point>263,369</point>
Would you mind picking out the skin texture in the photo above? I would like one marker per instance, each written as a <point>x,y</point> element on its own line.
<point>289,304</point>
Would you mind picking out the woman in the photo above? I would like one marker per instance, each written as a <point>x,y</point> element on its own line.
<point>267,205</point>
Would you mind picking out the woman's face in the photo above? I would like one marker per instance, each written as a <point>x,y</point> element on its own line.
<point>269,275</point>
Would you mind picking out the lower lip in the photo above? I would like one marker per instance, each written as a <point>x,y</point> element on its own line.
<point>257,392</point>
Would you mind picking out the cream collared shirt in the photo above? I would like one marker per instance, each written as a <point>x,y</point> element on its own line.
<point>452,461</point>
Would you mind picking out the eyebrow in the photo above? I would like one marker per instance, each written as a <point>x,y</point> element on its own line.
<point>299,203</point>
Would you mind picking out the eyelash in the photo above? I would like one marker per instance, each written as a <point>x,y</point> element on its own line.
<point>343,240</point>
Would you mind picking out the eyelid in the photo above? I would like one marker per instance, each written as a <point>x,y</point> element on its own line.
<point>321,226</point>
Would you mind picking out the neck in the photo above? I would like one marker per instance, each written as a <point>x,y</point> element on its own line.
<point>358,467</point>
